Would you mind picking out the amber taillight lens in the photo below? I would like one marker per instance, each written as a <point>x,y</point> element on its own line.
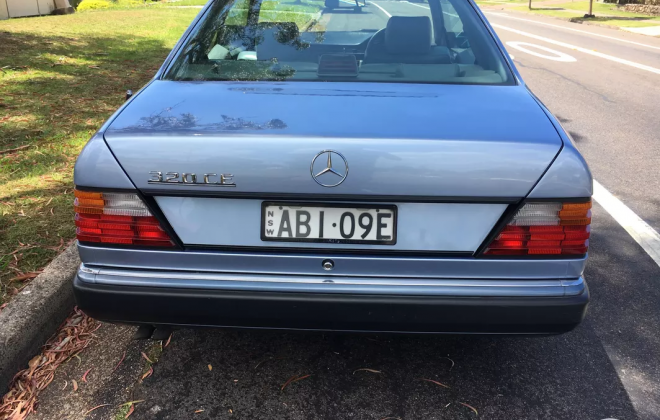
<point>545,228</point>
<point>117,218</point>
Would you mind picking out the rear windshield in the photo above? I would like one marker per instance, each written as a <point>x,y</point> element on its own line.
<point>434,41</point>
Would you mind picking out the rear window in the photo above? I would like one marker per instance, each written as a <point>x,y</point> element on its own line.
<point>434,41</point>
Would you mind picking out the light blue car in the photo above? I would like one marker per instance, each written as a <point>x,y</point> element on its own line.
<point>294,167</point>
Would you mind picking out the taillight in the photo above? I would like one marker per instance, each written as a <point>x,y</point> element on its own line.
<point>117,218</point>
<point>548,228</point>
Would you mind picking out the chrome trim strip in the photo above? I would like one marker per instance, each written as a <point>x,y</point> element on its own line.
<point>346,265</point>
<point>328,284</point>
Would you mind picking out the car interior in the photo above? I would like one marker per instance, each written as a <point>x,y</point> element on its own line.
<point>408,49</point>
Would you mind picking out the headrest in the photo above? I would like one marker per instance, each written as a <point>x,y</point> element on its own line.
<point>408,35</point>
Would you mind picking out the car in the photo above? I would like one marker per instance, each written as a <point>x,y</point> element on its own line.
<point>387,171</point>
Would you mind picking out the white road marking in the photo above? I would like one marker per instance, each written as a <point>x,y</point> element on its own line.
<point>640,231</point>
<point>384,11</point>
<point>428,8</point>
<point>576,48</point>
<point>556,55</point>
<point>418,5</point>
<point>572,29</point>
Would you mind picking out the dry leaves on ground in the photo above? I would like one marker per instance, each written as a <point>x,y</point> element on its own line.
<point>293,379</point>
<point>147,373</point>
<point>26,276</point>
<point>366,370</point>
<point>434,382</point>
<point>470,407</point>
<point>72,337</point>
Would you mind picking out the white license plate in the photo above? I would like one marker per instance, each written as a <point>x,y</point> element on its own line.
<point>330,223</point>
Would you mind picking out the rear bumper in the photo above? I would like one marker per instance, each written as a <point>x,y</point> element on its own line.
<point>330,311</point>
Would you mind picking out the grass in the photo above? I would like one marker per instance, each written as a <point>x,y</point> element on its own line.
<point>576,11</point>
<point>61,77</point>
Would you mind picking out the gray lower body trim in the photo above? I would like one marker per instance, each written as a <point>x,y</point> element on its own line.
<point>333,284</point>
<point>345,265</point>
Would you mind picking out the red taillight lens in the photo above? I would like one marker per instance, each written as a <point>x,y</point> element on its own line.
<point>116,218</point>
<point>545,229</point>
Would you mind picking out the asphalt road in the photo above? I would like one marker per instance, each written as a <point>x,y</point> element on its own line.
<point>609,367</point>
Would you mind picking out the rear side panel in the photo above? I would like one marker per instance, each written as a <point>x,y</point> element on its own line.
<point>97,167</point>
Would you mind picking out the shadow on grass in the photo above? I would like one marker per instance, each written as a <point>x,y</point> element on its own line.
<point>55,92</point>
<point>56,85</point>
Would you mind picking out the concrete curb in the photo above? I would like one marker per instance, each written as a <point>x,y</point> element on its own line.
<point>34,314</point>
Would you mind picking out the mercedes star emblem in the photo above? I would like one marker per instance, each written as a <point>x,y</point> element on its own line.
<point>328,175</point>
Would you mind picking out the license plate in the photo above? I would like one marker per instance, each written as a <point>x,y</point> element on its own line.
<point>329,223</point>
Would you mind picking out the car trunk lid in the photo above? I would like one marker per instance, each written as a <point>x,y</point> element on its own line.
<point>397,139</point>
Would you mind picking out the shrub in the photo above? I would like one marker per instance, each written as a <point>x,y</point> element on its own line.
<point>93,4</point>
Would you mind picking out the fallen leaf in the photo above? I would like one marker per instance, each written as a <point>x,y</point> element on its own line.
<point>435,382</point>
<point>57,247</point>
<point>167,343</point>
<point>131,409</point>
<point>130,403</point>
<point>75,385</point>
<point>293,379</point>
<point>470,407</point>
<point>146,357</point>
<point>26,276</point>
<point>120,361</point>
<point>92,409</point>
<point>16,149</point>
<point>65,384</point>
<point>210,367</point>
<point>148,373</point>
<point>84,377</point>
<point>268,360</point>
<point>452,362</point>
<point>94,67</point>
<point>198,411</point>
<point>367,370</point>
<point>23,248</point>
